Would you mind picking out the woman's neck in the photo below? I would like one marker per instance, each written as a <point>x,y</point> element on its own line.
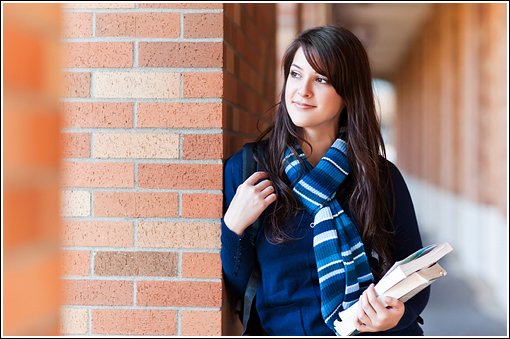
<point>320,143</point>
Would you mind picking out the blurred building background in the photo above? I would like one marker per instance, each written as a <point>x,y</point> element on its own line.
<point>156,96</point>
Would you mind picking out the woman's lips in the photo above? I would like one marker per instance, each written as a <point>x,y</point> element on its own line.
<point>302,105</point>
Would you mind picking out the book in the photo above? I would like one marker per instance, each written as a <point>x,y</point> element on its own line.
<point>403,291</point>
<point>403,280</point>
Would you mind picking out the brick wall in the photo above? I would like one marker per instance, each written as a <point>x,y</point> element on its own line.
<point>157,96</point>
<point>452,111</point>
<point>30,166</point>
<point>250,71</point>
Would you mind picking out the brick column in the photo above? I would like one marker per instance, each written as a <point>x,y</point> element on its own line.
<point>158,95</point>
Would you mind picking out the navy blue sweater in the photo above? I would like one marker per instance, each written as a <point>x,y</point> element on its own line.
<point>288,297</point>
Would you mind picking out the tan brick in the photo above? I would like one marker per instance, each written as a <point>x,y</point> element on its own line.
<point>75,262</point>
<point>98,54</point>
<point>136,204</point>
<point>201,323</point>
<point>176,5</point>
<point>180,54</point>
<point>136,145</point>
<point>97,174</point>
<point>75,203</point>
<point>158,264</point>
<point>176,115</point>
<point>202,205</point>
<point>76,145</point>
<point>202,85</point>
<point>179,293</point>
<point>109,5</point>
<point>178,235</point>
<point>202,146</point>
<point>97,233</point>
<point>76,85</point>
<point>158,25</point>
<point>138,85</point>
<point>181,176</point>
<point>77,25</point>
<point>73,321</point>
<point>203,25</point>
<point>201,265</point>
<point>97,292</point>
<point>97,114</point>
<point>134,322</point>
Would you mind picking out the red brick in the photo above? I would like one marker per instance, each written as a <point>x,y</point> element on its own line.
<point>202,205</point>
<point>179,293</point>
<point>202,146</point>
<point>97,174</point>
<point>135,204</point>
<point>201,265</point>
<point>140,25</point>
<point>180,176</point>
<point>115,24</point>
<point>175,5</point>
<point>97,114</point>
<point>33,137</point>
<point>201,323</point>
<point>158,25</point>
<point>41,199</point>
<point>76,145</point>
<point>97,292</point>
<point>98,54</point>
<point>180,54</point>
<point>77,25</point>
<point>134,322</point>
<point>76,85</point>
<point>75,262</point>
<point>202,85</point>
<point>176,115</point>
<point>97,233</point>
<point>25,65</point>
<point>203,25</point>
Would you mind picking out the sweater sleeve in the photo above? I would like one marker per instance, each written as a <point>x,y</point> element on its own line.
<point>407,241</point>
<point>237,254</point>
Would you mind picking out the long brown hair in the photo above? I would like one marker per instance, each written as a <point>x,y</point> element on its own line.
<point>337,54</point>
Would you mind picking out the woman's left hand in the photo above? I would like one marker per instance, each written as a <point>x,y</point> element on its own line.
<point>373,316</point>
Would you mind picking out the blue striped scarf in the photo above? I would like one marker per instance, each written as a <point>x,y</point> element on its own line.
<point>342,264</point>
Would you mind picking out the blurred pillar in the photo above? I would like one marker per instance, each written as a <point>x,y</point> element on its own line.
<point>30,130</point>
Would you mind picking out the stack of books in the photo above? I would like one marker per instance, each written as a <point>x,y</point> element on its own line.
<point>403,281</point>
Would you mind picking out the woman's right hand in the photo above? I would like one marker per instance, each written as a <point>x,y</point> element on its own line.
<point>249,202</point>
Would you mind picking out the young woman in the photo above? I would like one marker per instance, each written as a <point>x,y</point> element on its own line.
<point>337,213</point>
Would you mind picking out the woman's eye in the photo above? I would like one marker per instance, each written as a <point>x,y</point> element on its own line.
<point>323,80</point>
<point>294,74</point>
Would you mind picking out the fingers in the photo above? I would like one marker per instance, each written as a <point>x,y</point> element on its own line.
<point>373,316</point>
<point>265,187</point>
<point>252,179</point>
<point>365,310</point>
<point>393,303</point>
<point>377,306</point>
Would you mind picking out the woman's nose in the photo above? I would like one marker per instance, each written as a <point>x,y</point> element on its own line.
<point>304,90</point>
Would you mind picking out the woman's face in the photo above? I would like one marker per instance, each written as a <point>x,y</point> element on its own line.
<point>312,102</point>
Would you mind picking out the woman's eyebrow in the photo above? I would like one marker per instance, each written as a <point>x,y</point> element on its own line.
<point>296,66</point>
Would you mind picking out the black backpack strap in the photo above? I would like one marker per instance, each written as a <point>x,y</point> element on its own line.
<point>251,324</point>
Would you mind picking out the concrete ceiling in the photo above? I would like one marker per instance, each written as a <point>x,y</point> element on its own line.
<point>386,30</point>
